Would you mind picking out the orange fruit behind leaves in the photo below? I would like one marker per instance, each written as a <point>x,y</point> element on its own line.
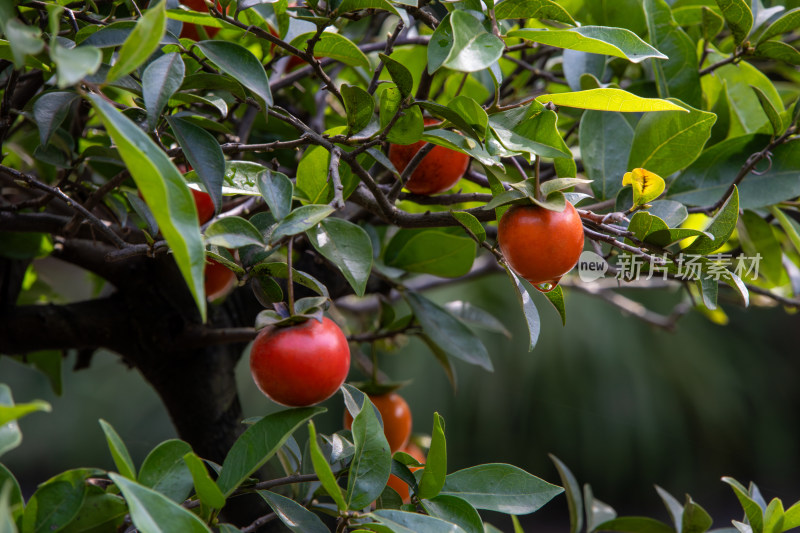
<point>398,484</point>
<point>396,417</point>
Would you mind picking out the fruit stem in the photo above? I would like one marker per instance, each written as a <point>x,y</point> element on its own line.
<point>536,178</point>
<point>289,280</point>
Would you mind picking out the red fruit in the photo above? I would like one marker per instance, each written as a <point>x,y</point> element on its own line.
<point>300,365</point>
<point>218,279</point>
<point>189,31</point>
<point>205,207</point>
<point>540,245</point>
<point>438,171</point>
<point>396,417</point>
<point>398,484</point>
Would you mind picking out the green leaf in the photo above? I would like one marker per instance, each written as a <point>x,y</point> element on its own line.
<point>474,316</point>
<point>573,492</point>
<point>471,112</point>
<point>773,517</point>
<point>233,232</point>
<point>293,515</point>
<point>405,522</point>
<point>436,462</point>
<point>597,512</point>
<point>11,496</point>
<point>239,63</point>
<point>24,41</point>
<point>204,154</point>
<point>372,459</point>
<point>347,246</point>
<point>532,9</point>
<point>769,109</point>
<point>559,184</point>
<point>664,143</point>
<point>707,179</point>
<point>119,452</point>
<point>50,110</point>
<point>259,443</point>
<point>152,512</point>
<point>57,501</point>
<point>634,524</point>
<point>524,290</point>
<point>784,24</point>
<point>165,192</point>
<point>752,510</point>
<point>277,190</point>
<point>556,298</point>
<point>206,489</point>
<point>281,270</point>
<point>301,219</point>
<point>100,511</point>
<point>605,141</point>
<point>357,5</point>
<point>313,185</point>
<point>461,43</point>
<point>788,227</point>
<point>609,100</point>
<point>779,51</point>
<point>460,143</point>
<point>456,511</point>
<point>431,252</point>
<point>500,487</point>
<point>359,106</point>
<point>323,469</point>
<point>160,80</point>
<point>74,64</point>
<point>454,116</point>
<point>674,507</point>
<point>721,227</point>
<point>165,471</point>
<point>517,128</point>
<point>399,73</point>
<point>757,237</point>
<point>446,331</point>
<point>471,225</point>
<point>336,47</point>
<point>652,229</point>
<point>617,42</point>
<point>695,518</point>
<point>141,43</point>
<point>11,412</point>
<point>739,17</point>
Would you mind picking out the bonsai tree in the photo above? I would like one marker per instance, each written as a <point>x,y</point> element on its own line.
<point>239,169</point>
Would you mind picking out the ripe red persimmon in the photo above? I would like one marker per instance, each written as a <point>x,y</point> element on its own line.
<point>398,484</point>
<point>218,279</point>
<point>539,244</point>
<point>300,365</point>
<point>396,415</point>
<point>205,206</point>
<point>188,30</point>
<point>438,171</point>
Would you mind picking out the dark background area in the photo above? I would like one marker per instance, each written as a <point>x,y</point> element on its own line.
<point>624,405</point>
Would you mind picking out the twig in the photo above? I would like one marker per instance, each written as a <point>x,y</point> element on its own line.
<point>336,180</point>
<point>373,84</point>
<point>409,170</point>
<point>446,199</point>
<point>597,236</point>
<point>258,522</point>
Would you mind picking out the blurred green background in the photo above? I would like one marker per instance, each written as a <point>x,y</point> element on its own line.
<point>623,404</point>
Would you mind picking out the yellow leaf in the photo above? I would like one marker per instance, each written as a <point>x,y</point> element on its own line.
<point>647,186</point>
<point>609,99</point>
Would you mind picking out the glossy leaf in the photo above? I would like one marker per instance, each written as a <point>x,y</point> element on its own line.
<point>456,511</point>
<point>461,43</point>
<point>57,501</point>
<point>445,330</point>
<point>500,487</point>
<point>695,518</point>
<point>770,111</point>
<point>281,270</point>
<point>470,224</point>
<point>323,469</point>
<point>597,512</point>
<point>759,238</point>
<point>160,80</point>
<point>784,24</point>
<point>50,110</point>
<point>664,143</point>
<point>707,179</point>
<point>141,43</point>
<point>293,515</point>
<point>609,100</point>
<point>165,192</point>
<point>530,129</point>
<point>452,115</point>
<point>399,73</point>
<point>347,246</point>
<point>119,452</point>
<point>605,141</point>
<point>787,225</point>
<point>652,229</point>
<point>74,64</point>
<point>573,492</point>
<point>674,507</point>
<point>435,471</point>
<point>372,459</point>
<point>405,522</point>
<point>165,471</point>
<point>260,442</point>
<point>476,317</point>
<point>532,9</point>
<point>431,252</point>
<point>752,510</point>
<point>205,487</point>
<point>152,512</point>
<point>301,219</point>
<point>239,63</point>
<point>336,47</point>
<point>204,154</point>
<point>617,42</point>
<point>739,17</point>
<point>233,232</point>
<point>721,227</point>
<point>524,291</point>
<point>556,298</point>
<point>359,105</point>
<point>277,190</point>
<point>313,184</point>
<point>100,511</point>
